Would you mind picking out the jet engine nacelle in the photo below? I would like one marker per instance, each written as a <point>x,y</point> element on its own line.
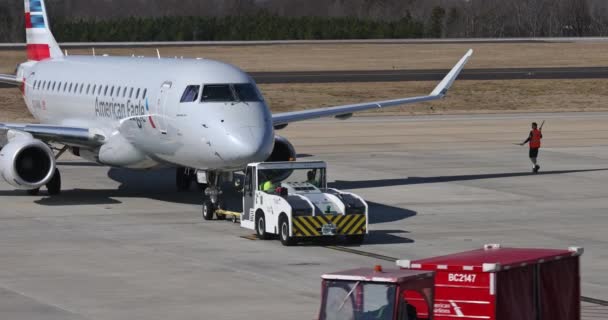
<point>27,163</point>
<point>283,150</point>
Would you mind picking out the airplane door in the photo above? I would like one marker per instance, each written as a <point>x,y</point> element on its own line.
<point>161,106</point>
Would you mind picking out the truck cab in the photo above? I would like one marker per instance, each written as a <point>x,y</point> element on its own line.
<point>292,200</point>
<point>377,294</point>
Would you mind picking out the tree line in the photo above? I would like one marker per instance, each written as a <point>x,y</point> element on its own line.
<point>259,26</point>
<point>184,20</point>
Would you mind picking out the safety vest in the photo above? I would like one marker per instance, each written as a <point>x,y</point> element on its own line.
<point>536,135</point>
<point>268,186</point>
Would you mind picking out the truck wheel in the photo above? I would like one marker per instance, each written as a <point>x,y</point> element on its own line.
<point>260,227</point>
<point>208,210</point>
<point>355,240</point>
<point>286,240</point>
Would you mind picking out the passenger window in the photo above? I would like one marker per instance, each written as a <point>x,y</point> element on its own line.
<point>217,93</point>
<point>131,93</point>
<point>81,88</point>
<point>190,94</point>
<point>137,95</point>
<point>88,88</point>
<point>112,91</point>
<point>105,91</point>
<point>54,85</point>
<point>46,85</point>
<point>145,93</point>
<point>124,92</point>
<point>70,88</point>
<point>65,86</point>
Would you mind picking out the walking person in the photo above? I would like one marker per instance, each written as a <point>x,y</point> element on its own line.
<point>534,139</point>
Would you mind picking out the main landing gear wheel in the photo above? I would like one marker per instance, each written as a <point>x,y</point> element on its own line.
<point>33,192</point>
<point>183,179</point>
<point>54,186</point>
<point>286,240</point>
<point>208,210</point>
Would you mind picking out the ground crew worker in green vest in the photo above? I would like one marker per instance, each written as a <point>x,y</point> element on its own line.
<point>534,139</point>
<point>267,185</point>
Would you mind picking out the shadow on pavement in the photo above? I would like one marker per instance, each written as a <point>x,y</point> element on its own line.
<point>381,213</point>
<point>339,184</point>
<point>154,184</point>
<point>376,237</point>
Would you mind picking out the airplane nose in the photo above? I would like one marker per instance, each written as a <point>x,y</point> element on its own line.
<point>248,144</point>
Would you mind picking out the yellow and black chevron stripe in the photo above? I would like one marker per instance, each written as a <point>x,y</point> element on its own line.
<point>309,226</point>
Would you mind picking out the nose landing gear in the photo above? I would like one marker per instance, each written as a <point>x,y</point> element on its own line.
<point>213,194</point>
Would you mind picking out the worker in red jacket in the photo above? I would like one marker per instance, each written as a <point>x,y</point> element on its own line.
<point>534,139</point>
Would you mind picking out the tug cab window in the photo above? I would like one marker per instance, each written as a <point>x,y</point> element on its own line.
<point>190,94</point>
<point>217,93</point>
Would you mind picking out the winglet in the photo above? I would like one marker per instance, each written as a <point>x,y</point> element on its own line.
<point>445,84</point>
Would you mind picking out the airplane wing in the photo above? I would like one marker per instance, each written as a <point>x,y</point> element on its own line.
<point>63,135</point>
<point>9,79</point>
<point>344,112</point>
<point>58,134</point>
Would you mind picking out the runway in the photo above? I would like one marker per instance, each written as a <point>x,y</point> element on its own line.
<point>121,244</point>
<point>425,75</point>
<point>430,75</point>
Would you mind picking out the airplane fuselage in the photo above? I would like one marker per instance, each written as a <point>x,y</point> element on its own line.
<point>201,114</point>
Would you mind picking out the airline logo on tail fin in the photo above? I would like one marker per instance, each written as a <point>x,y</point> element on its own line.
<point>34,15</point>
<point>40,42</point>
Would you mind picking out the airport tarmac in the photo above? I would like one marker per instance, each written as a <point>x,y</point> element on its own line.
<point>119,244</point>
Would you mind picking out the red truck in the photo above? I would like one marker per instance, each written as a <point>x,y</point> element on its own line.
<point>496,283</point>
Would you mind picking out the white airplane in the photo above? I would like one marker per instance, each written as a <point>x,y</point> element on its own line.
<point>195,115</point>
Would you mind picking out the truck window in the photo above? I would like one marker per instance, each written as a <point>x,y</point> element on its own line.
<point>358,300</point>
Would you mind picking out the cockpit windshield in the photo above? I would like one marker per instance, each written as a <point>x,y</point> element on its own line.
<point>217,93</point>
<point>245,92</point>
